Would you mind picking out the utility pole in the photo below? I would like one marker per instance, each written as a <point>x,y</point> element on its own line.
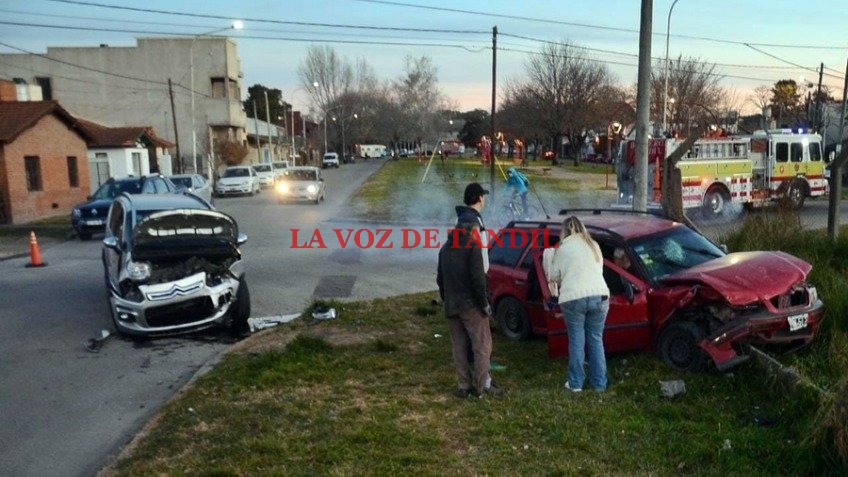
<point>176,133</point>
<point>256,129</point>
<point>836,168</point>
<point>643,109</point>
<point>494,99</point>
<point>268,118</point>
<point>818,119</point>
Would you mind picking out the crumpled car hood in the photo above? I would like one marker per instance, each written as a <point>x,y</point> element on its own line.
<point>746,277</point>
<point>178,232</point>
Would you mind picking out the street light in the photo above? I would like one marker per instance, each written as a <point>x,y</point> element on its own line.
<point>236,25</point>
<point>342,121</point>
<point>665,81</point>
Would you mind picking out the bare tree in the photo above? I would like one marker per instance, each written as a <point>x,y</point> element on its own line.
<point>561,96</point>
<point>760,98</point>
<point>419,99</point>
<point>333,75</point>
<point>693,88</point>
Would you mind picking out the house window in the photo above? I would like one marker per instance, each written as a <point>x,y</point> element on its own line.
<point>46,87</point>
<point>73,173</point>
<point>136,162</point>
<point>33,173</point>
<point>219,88</point>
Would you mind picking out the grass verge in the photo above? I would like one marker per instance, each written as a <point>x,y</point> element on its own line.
<point>370,393</point>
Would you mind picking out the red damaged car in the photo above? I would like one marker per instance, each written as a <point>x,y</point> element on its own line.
<point>680,294</point>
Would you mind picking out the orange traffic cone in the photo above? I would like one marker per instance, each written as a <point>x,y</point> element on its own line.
<point>34,252</point>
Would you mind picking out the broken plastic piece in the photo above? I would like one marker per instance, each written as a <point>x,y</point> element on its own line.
<point>672,388</point>
<point>324,315</point>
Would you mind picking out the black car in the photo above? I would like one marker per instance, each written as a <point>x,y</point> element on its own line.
<point>173,265</point>
<point>90,217</point>
<point>349,159</point>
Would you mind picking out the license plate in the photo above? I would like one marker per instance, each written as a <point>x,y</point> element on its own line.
<point>797,322</point>
<point>95,222</point>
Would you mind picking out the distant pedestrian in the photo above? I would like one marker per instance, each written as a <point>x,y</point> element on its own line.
<point>578,267</point>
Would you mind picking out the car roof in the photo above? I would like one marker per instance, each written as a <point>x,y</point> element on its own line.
<point>303,168</point>
<point>178,176</point>
<point>240,167</point>
<point>624,223</point>
<point>165,201</point>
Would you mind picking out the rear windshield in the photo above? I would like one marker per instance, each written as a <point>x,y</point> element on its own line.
<point>181,181</point>
<point>263,168</point>
<point>113,189</point>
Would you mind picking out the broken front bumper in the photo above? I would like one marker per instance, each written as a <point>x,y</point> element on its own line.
<point>765,328</point>
<point>188,304</point>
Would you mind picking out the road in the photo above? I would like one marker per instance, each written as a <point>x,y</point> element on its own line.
<point>67,411</point>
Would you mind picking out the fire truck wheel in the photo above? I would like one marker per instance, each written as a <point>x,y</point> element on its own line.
<point>715,202</point>
<point>795,195</point>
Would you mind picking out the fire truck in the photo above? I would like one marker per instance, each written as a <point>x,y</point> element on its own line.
<point>747,171</point>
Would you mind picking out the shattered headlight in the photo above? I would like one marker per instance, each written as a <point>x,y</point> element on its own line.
<point>138,271</point>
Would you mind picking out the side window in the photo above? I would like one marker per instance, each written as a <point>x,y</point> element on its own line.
<point>797,152</point>
<point>508,247</point>
<point>161,186</point>
<point>545,238</point>
<point>815,152</point>
<point>198,182</point>
<point>781,152</point>
<point>148,187</point>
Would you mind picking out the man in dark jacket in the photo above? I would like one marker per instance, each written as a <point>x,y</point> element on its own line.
<point>461,277</point>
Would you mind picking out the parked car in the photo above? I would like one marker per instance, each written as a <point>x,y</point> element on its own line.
<point>349,159</point>
<point>89,217</point>
<point>682,295</point>
<point>237,180</point>
<point>301,183</point>
<point>279,167</point>
<point>172,265</point>
<point>194,183</point>
<point>266,174</point>
<point>331,159</point>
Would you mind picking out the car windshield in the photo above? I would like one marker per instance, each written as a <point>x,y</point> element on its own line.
<point>182,181</point>
<point>329,156</point>
<point>262,167</point>
<point>113,189</point>
<point>301,175</point>
<point>280,165</point>
<point>674,250</point>
<point>237,172</point>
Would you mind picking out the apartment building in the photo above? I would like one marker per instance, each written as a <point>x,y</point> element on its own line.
<point>151,84</point>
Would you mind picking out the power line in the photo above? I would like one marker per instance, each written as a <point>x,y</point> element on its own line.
<point>265,20</point>
<point>595,27</point>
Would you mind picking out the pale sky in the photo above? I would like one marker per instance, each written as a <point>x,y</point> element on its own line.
<point>753,42</point>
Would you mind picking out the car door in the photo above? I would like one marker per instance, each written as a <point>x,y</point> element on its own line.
<point>115,225</point>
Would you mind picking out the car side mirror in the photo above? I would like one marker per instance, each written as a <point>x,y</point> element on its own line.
<point>112,243</point>
<point>723,248</point>
<point>241,239</point>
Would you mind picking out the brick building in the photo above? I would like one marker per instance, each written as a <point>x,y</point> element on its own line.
<point>43,161</point>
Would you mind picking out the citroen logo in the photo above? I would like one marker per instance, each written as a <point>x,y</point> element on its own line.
<point>94,212</point>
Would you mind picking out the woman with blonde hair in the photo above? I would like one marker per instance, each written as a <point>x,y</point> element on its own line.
<point>578,267</point>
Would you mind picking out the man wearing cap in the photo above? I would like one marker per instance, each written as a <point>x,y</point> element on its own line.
<point>461,277</point>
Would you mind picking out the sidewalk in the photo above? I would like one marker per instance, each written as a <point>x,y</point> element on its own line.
<point>14,240</point>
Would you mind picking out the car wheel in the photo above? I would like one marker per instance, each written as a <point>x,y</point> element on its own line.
<point>512,319</point>
<point>84,235</point>
<point>240,310</point>
<point>678,346</point>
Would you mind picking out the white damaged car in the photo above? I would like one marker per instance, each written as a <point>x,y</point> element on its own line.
<point>172,264</point>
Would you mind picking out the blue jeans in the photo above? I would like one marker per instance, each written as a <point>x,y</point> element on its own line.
<point>585,318</point>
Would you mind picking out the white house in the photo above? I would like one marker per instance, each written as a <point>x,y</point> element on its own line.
<point>124,151</point>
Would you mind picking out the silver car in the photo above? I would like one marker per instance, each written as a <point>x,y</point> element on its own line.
<point>194,183</point>
<point>172,265</point>
<point>301,183</point>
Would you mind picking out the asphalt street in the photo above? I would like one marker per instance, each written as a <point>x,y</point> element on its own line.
<point>67,410</point>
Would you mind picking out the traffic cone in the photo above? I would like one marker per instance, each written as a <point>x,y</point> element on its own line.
<point>34,252</point>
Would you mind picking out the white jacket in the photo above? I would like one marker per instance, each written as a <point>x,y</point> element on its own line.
<point>576,270</point>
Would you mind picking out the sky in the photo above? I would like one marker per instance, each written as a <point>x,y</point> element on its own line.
<point>752,42</point>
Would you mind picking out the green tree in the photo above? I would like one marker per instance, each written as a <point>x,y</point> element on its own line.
<point>276,107</point>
